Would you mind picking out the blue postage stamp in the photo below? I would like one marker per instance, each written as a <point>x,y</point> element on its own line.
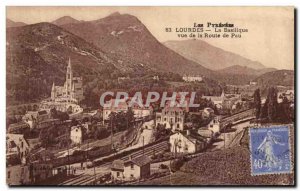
<point>270,150</point>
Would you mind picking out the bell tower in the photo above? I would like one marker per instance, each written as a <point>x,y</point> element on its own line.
<point>69,78</point>
<point>53,92</point>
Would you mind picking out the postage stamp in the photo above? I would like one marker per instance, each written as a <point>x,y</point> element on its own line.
<point>270,150</point>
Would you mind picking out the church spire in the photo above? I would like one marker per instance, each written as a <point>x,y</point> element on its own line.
<point>69,63</point>
<point>53,86</point>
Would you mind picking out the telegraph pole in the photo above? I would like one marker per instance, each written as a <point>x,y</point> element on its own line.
<point>94,172</point>
<point>68,171</point>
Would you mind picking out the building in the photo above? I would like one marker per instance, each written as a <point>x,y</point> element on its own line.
<point>76,134</point>
<point>121,79</point>
<point>71,91</point>
<point>288,94</point>
<point>61,106</point>
<point>41,171</point>
<point>172,117</point>
<point>28,174</point>
<point>214,125</point>
<point>224,101</point>
<point>18,128</point>
<point>186,142</point>
<point>208,112</point>
<point>156,78</point>
<point>140,112</point>
<point>33,118</point>
<point>217,100</point>
<point>117,170</point>
<point>133,169</point>
<point>253,83</point>
<point>192,78</point>
<point>110,107</point>
<point>205,132</point>
<point>17,145</point>
<point>18,175</point>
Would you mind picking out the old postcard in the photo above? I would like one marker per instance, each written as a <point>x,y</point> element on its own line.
<point>110,96</point>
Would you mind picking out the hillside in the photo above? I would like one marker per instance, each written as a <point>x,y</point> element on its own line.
<point>64,20</point>
<point>10,23</point>
<point>130,42</point>
<point>227,166</point>
<point>244,70</point>
<point>37,56</point>
<point>276,78</point>
<point>210,56</point>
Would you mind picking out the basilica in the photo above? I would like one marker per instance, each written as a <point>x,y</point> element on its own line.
<point>71,91</point>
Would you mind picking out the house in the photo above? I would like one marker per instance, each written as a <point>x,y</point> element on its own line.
<point>117,170</point>
<point>17,145</point>
<point>192,78</point>
<point>288,94</point>
<point>28,174</point>
<point>18,128</point>
<point>224,101</point>
<point>217,100</point>
<point>18,175</point>
<point>207,112</point>
<point>156,78</point>
<point>133,169</point>
<point>172,117</point>
<point>41,171</point>
<point>186,142</point>
<point>142,111</point>
<point>214,125</point>
<point>205,132</point>
<point>120,79</point>
<point>110,107</point>
<point>76,134</point>
<point>33,118</point>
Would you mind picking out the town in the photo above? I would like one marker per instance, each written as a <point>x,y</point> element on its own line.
<point>59,141</point>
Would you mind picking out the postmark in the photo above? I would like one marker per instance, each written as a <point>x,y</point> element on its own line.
<point>270,151</point>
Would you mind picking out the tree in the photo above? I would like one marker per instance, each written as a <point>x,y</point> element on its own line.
<point>53,113</point>
<point>129,117</point>
<point>272,104</point>
<point>257,103</point>
<point>74,122</point>
<point>270,109</point>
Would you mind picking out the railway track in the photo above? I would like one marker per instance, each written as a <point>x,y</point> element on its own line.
<point>84,179</point>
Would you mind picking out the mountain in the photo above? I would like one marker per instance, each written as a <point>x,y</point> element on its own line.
<point>244,70</point>
<point>210,56</point>
<point>10,23</point>
<point>64,20</point>
<point>127,40</point>
<point>37,56</point>
<point>276,78</point>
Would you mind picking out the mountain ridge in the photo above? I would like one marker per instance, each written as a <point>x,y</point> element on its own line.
<point>11,23</point>
<point>126,38</point>
<point>65,20</point>
<point>210,56</point>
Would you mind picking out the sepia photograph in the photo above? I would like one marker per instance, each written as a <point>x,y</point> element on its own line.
<point>150,96</point>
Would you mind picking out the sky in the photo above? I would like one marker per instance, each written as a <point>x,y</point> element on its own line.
<point>270,39</point>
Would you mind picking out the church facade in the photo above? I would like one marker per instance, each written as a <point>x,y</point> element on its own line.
<point>71,91</point>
